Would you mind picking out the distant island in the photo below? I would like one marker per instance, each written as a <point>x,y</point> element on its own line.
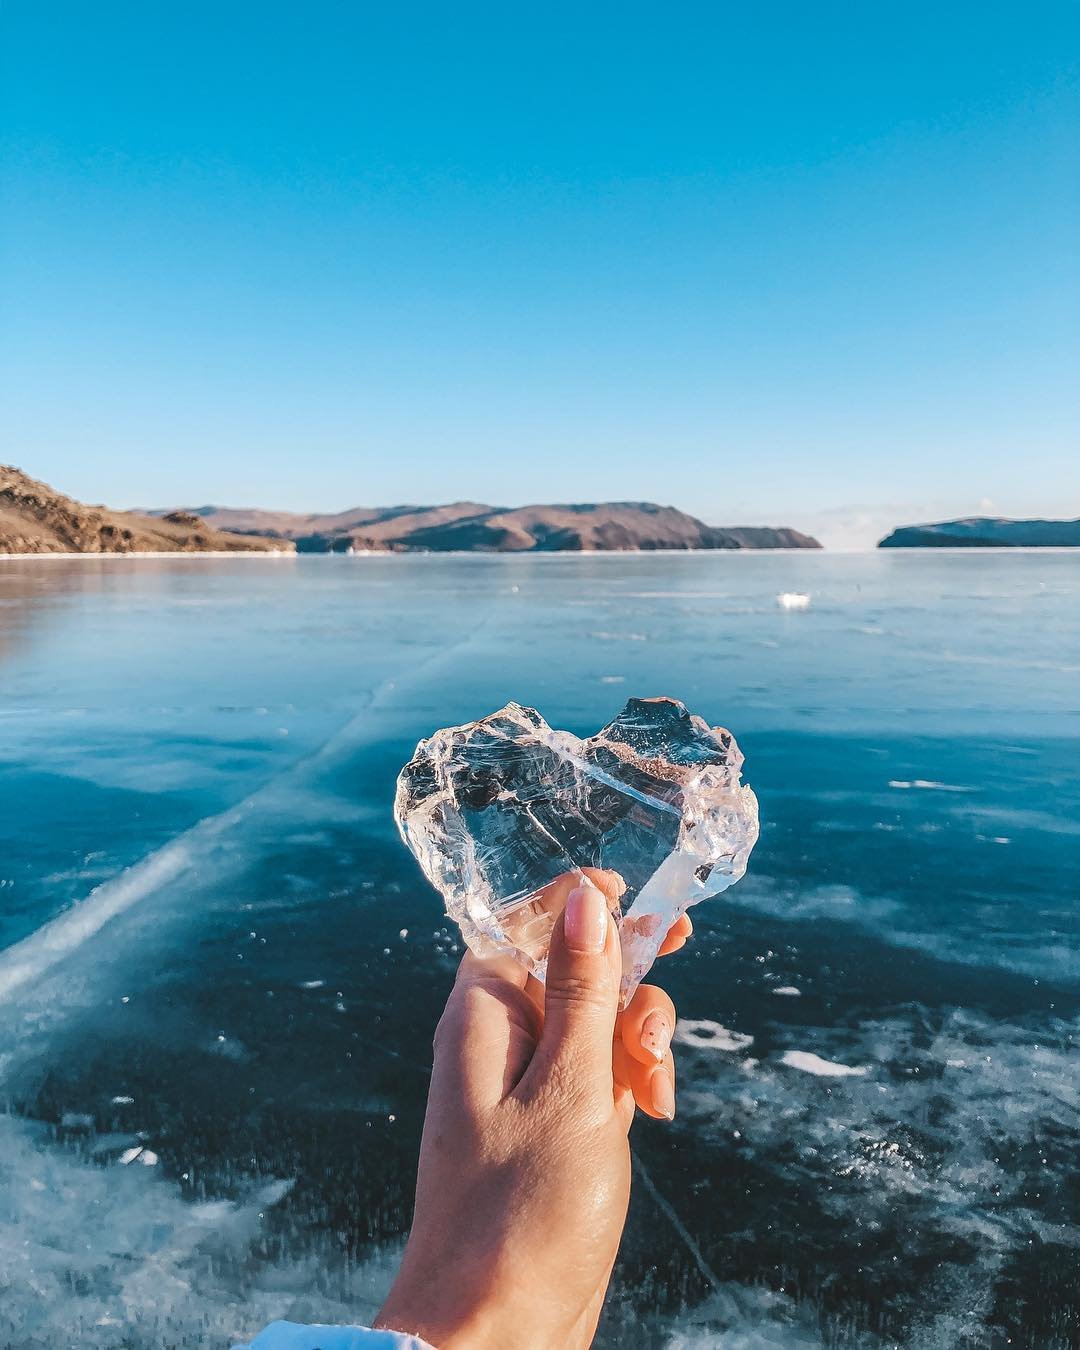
<point>34,518</point>
<point>987,532</point>
<point>472,527</point>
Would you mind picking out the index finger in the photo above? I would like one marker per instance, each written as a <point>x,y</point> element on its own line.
<point>528,923</point>
<point>501,967</point>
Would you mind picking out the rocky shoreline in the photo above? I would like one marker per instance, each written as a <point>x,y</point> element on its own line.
<point>36,519</point>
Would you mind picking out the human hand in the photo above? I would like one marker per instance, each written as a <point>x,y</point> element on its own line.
<point>524,1172</point>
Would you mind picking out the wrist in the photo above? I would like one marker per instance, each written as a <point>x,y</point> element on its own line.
<point>425,1313</point>
<point>435,1298</point>
<point>454,1308</point>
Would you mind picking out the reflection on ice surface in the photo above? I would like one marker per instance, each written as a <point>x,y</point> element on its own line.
<point>250,1029</point>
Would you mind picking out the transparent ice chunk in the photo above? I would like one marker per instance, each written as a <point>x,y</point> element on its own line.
<point>497,809</point>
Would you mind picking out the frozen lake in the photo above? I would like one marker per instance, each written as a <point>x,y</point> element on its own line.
<point>221,969</point>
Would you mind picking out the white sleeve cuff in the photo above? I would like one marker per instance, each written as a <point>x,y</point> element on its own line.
<point>295,1336</point>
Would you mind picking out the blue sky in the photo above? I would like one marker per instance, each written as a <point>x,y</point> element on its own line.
<point>787,263</point>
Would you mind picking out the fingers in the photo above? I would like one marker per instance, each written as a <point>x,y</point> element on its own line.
<point>581,999</point>
<point>528,924</point>
<point>482,968</point>
<point>643,1059</point>
<point>606,880</point>
<point>653,1086</point>
<point>554,895</point>
<point>677,935</point>
<point>647,1024</point>
<point>624,1092</point>
<point>487,1033</point>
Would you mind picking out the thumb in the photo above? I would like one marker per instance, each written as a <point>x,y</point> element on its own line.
<point>581,997</point>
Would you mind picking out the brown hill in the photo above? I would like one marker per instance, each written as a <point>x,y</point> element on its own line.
<point>471,527</point>
<point>36,519</point>
<point>375,521</point>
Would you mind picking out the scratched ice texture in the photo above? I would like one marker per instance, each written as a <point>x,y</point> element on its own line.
<point>220,970</point>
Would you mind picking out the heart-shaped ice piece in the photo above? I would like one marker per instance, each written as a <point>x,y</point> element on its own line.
<point>498,809</point>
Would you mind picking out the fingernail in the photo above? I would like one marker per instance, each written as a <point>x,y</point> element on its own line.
<point>663,1094</point>
<point>585,920</point>
<point>656,1035</point>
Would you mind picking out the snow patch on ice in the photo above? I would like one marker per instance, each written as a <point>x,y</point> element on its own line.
<point>708,1035</point>
<point>138,1153</point>
<point>808,1062</point>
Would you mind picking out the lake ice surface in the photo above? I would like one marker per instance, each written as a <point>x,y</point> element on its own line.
<point>221,969</point>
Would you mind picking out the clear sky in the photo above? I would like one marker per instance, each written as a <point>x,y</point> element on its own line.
<point>788,263</point>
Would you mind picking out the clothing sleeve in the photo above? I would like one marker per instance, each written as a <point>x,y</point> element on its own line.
<point>295,1336</point>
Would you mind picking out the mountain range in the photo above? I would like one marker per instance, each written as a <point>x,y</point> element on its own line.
<point>35,518</point>
<point>474,527</point>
